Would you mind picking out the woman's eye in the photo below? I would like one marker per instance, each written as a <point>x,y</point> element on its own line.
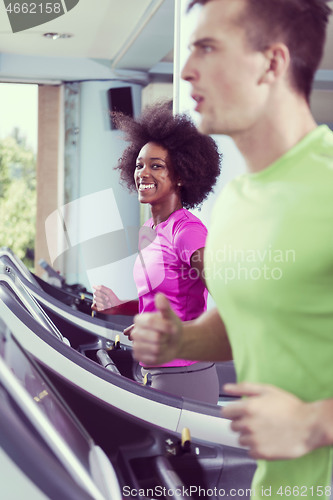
<point>138,166</point>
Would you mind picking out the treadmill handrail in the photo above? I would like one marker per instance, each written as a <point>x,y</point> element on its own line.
<point>16,285</point>
<point>18,264</point>
<point>47,432</point>
<point>101,327</point>
<point>170,479</point>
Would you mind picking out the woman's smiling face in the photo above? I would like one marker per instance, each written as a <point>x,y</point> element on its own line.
<point>153,174</point>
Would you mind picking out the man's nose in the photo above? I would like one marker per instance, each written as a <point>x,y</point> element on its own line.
<point>188,73</point>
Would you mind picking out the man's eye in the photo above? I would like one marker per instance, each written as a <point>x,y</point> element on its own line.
<point>206,48</point>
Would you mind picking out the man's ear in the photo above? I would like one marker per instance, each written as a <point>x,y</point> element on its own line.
<point>277,62</point>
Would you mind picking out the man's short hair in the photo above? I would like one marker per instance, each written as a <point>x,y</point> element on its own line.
<point>300,24</point>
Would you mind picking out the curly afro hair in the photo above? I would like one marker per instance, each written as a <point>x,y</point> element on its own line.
<point>194,157</point>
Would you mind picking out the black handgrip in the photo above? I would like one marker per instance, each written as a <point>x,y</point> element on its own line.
<point>106,361</point>
<point>174,487</point>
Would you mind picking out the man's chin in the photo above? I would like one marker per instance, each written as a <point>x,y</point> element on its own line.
<point>206,127</point>
<point>202,125</point>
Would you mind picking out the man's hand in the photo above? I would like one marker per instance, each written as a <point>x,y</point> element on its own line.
<point>272,423</point>
<point>157,336</point>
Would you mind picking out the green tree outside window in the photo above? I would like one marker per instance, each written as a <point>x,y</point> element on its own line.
<point>18,197</point>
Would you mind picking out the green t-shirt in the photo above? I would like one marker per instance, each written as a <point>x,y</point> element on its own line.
<point>269,268</point>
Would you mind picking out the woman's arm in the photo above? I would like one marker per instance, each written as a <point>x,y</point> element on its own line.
<point>130,308</point>
<point>197,262</point>
<point>107,302</point>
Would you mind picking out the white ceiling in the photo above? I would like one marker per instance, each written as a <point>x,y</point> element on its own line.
<point>108,36</point>
<point>118,34</point>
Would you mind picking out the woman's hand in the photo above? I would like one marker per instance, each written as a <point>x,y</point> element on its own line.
<point>128,331</point>
<point>104,298</point>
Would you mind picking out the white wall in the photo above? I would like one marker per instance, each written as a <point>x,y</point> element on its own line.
<point>102,217</point>
<point>233,163</point>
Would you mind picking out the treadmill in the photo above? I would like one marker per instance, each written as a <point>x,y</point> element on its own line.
<point>46,452</point>
<point>143,454</point>
<point>87,333</point>
<point>73,371</point>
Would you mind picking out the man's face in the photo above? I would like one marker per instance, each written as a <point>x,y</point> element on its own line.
<point>224,71</point>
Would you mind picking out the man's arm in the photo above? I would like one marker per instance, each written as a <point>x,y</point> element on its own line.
<point>276,425</point>
<point>160,337</point>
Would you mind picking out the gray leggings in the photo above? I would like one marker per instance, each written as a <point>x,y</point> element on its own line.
<point>197,381</point>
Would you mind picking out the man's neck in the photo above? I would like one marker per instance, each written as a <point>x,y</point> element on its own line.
<point>275,134</point>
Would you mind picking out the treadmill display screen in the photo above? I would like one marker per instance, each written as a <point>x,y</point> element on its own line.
<point>46,398</point>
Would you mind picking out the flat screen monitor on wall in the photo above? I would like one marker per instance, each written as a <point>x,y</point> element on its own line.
<point>120,99</point>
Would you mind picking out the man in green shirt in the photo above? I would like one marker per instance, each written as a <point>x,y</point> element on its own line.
<point>269,254</point>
